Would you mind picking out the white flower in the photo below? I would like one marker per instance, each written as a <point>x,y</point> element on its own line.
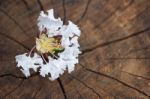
<point>67,41</point>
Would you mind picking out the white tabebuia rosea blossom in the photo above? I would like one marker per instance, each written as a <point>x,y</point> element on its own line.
<point>57,48</point>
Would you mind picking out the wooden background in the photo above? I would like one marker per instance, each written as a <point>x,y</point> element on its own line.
<point>115,40</point>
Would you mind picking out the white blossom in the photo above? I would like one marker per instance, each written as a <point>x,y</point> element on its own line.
<point>65,60</point>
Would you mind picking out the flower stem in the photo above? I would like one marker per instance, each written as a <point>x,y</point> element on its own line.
<point>31,50</point>
<point>43,58</point>
<point>54,55</point>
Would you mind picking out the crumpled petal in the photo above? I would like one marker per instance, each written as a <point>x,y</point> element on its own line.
<point>69,55</point>
<point>27,62</point>
<point>50,23</point>
<point>70,30</point>
<point>54,67</point>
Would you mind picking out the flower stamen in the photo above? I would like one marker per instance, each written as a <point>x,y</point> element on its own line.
<point>46,44</point>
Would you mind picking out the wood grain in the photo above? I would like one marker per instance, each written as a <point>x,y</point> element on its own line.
<point>115,41</point>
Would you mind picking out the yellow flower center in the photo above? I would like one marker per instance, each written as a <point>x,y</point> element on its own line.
<point>46,44</point>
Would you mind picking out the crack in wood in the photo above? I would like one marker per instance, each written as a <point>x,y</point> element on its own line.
<point>86,86</point>
<point>115,41</point>
<point>26,5</point>
<point>64,10</point>
<point>62,88</point>
<point>115,79</point>
<point>18,77</point>
<point>40,5</point>
<point>12,75</point>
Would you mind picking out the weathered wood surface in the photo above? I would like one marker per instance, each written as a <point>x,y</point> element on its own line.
<point>115,40</point>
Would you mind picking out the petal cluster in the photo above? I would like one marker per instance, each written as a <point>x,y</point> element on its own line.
<point>65,60</point>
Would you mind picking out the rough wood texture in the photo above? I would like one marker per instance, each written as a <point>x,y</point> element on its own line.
<point>115,40</point>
